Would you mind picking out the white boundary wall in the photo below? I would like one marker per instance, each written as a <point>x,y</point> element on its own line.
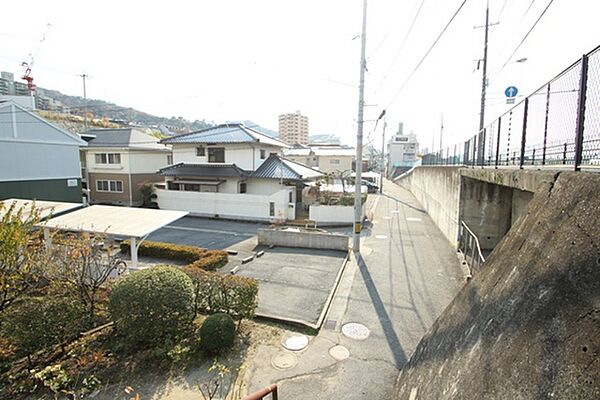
<point>333,215</point>
<point>242,206</point>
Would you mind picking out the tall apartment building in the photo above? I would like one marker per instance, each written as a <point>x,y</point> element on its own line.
<point>293,128</point>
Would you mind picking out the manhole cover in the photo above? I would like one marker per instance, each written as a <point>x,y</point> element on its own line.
<point>380,236</point>
<point>339,353</point>
<point>355,331</point>
<point>284,360</point>
<point>295,343</point>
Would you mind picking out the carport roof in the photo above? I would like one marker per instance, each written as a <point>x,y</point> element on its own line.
<point>45,208</point>
<point>118,221</point>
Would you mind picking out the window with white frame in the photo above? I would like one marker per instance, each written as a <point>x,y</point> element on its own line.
<point>104,185</point>
<point>108,158</point>
<point>263,154</point>
<point>200,151</point>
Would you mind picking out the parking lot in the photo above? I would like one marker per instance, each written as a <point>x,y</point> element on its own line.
<point>294,283</point>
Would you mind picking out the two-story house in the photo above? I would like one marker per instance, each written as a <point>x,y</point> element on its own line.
<point>232,171</point>
<point>38,160</point>
<point>329,159</point>
<point>119,161</point>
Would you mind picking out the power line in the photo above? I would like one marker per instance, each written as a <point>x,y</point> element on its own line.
<point>414,20</point>
<point>526,36</point>
<point>427,53</point>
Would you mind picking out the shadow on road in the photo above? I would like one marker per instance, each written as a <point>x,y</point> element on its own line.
<point>388,329</point>
<point>405,203</point>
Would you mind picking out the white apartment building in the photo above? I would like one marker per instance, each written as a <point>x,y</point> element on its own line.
<point>402,150</point>
<point>293,128</point>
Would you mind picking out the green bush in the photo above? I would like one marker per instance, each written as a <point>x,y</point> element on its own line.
<point>217,333</point>
<point>348,200</point>
<point>230,294</point>
<point>35,323</point>
<point>152,305</point>
<point>209,260</point>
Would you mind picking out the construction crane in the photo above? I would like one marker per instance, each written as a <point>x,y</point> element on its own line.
<point>29,65</point>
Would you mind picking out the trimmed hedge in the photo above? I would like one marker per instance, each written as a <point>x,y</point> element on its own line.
<point>152,305</point>
<point>229,294</point>
<point>217,333</point>
<point>197,257</point>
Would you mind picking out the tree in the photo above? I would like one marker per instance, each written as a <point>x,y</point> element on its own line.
<point>146,189</point>
<point>22,252</point>
<point>81,265</point>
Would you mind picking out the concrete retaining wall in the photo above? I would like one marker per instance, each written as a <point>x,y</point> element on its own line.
<point>297,238</point>
<point>527,326</point>
<point>333,215</point>
<point>438,191</point>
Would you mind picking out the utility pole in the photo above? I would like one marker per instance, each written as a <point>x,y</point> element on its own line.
<point>85,120</point>
<point>359,135</point>
<point>441,129</point>
<point>383,163</point>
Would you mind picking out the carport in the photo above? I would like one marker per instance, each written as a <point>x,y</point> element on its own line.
<point>132,223</point>
<point>45,208</point>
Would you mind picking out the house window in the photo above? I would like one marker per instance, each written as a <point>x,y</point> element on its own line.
<point>216,155</point>
<point>200,151</point>
<point>271,209</point>
<point>109,186</point>
<point>108,158</point>
<point>291,197</point>
<point>263,154</point>
<point>243,187</point>
<point>170,159</point>
<point>334,161</point>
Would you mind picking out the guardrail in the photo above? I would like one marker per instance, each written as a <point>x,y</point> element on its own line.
<point>468,244</point>
<point>557,125</point>
<point>262,393</point>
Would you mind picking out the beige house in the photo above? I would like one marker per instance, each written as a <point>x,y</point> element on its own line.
<point>119,161</point>
<point>327,159</point>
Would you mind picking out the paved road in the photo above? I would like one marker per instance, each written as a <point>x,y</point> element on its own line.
<point>406,275</point>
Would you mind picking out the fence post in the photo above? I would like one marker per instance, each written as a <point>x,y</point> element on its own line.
<point>498,142</point>
<point>524,133</point>
<point>546,125</point>
<point>581,112</point>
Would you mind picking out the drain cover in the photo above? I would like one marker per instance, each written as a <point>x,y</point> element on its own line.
<point>355,331</point>
<point>380,236</point>
<point>295,343</point>
<point>284,360</point>
<point>339,353</point>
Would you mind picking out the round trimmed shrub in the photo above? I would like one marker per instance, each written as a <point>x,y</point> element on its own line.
<point>152,305</point>
<point>217,333</point>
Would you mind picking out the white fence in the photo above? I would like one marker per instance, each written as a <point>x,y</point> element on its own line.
<point>242,206</point>
<point>333,215</point>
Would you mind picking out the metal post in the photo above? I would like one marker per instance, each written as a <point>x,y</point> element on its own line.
<point>85,120</point>
<point>484,75</point>
<point>498,142</point>
<point>383,163</point>
<point>524,133</point>
<point>581,113</point>
<point>47,238</point>
<point>134,252</point>
<point>359,135</point>
<point>546,124</point>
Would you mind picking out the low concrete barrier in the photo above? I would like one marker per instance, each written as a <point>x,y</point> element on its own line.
<point>296,238</point>
<point>333,215</point>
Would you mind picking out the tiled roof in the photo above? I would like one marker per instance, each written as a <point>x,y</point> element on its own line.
<point>126,137</point>
<point>276,167</point>
<point>203,170</point>
<point>225,133</point>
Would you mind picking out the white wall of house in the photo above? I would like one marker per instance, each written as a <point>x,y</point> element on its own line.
<point>245,155</point>
<point>263,186</point>
<point>332,215</point>
<point>93,167</point>
<point>31,148</point>
<point>147,162</point>
<point>227,205</point>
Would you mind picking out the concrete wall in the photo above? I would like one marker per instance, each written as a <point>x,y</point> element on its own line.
<point>296,238</point>
<point>527,326</point>
<point>241,206</point>
<point>438,191</point>
<point>332,215</point>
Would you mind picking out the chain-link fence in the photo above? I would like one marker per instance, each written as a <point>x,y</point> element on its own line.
<point>558,124</point>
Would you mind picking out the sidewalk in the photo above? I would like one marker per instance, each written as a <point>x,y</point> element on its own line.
<point>406,274</point>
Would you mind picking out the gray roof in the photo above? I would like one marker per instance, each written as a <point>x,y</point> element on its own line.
<point>220,170</point>
<point>126,137</point>
<point>224,133</point>
<point>276,167</point>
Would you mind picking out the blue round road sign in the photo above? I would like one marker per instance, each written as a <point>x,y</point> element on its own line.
<point>511,91</point>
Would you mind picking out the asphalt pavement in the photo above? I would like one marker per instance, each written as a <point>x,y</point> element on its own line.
<point>406,274</point>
